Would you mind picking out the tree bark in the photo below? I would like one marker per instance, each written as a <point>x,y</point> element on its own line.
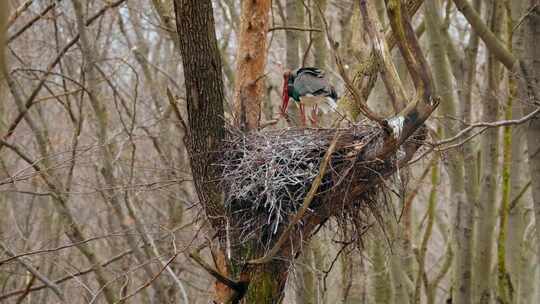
<point>319,43</point>
<point>205,96</point>
<point>292,38</point>
<point>487,204</point>
<point>251,60</point>
<point>204,93</point>
<point>3,24</point>
<point>532,60</point>
<point>455,165</point>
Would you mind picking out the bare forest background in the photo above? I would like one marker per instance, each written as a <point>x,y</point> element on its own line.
<point>97,199</point>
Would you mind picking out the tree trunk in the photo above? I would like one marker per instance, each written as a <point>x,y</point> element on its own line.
<point>319,43</point>
<point>204,95</point>
<point>3,22</point>
<point>292,38</point>
<point>267,283</point>
<point>305,279</point>
<point>443,83</point>
<point>382,285</point>
<point>532,60</point>
<point>516,228</point>
<point>251,60</point>
<point>293,11</point>
<point>490,151</point>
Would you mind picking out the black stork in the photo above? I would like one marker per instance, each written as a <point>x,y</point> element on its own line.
<point>308,87</point>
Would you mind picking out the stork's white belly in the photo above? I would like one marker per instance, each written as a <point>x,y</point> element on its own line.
<point>324,103</point>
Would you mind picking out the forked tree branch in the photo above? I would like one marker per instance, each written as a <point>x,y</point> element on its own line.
<point>357,95</point>
<point>381,50</point>
<point>410,49</point>
<point>365,78</point>
<point>493,44</point>
<point>496,47</point>
<point>239,288</point>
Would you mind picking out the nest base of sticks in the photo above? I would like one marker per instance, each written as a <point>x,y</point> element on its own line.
<point>268,175</point>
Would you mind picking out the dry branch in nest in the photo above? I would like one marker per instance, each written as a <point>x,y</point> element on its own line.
<point>267,176</point>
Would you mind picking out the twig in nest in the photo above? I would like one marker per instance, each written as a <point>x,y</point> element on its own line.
<point>307,200</point>
<point>269,123</point>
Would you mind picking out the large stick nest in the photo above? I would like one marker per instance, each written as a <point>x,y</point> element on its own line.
<point>266,176</point>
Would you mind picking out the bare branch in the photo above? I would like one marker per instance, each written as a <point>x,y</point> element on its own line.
<point>389,73</point>
<point>30,23</point>
<point>145,285</point>
<point>357,95</point>
<point>30,100</point>
<point>19,11</point>
<point>293,28</point>
<point>35,272</point>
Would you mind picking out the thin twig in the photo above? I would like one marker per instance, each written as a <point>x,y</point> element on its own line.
<point>145,285</point>
<point>35,272</point>
<point>294,28</point>
<point>18,12</point>
<point>30,100</point>
<point>56,249</point>
<point>87,270</point>
<point>31,22</point>
<point>484,125</point>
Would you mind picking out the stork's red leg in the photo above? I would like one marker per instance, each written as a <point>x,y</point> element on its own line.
<point>302,115</point>
<point>315,116</point>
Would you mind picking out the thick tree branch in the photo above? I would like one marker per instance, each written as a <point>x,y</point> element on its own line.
<point>493,44</point>
<point>353,90</point>
<point>410,49</point>
<point>389,73</point>
<point>365,78</point>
